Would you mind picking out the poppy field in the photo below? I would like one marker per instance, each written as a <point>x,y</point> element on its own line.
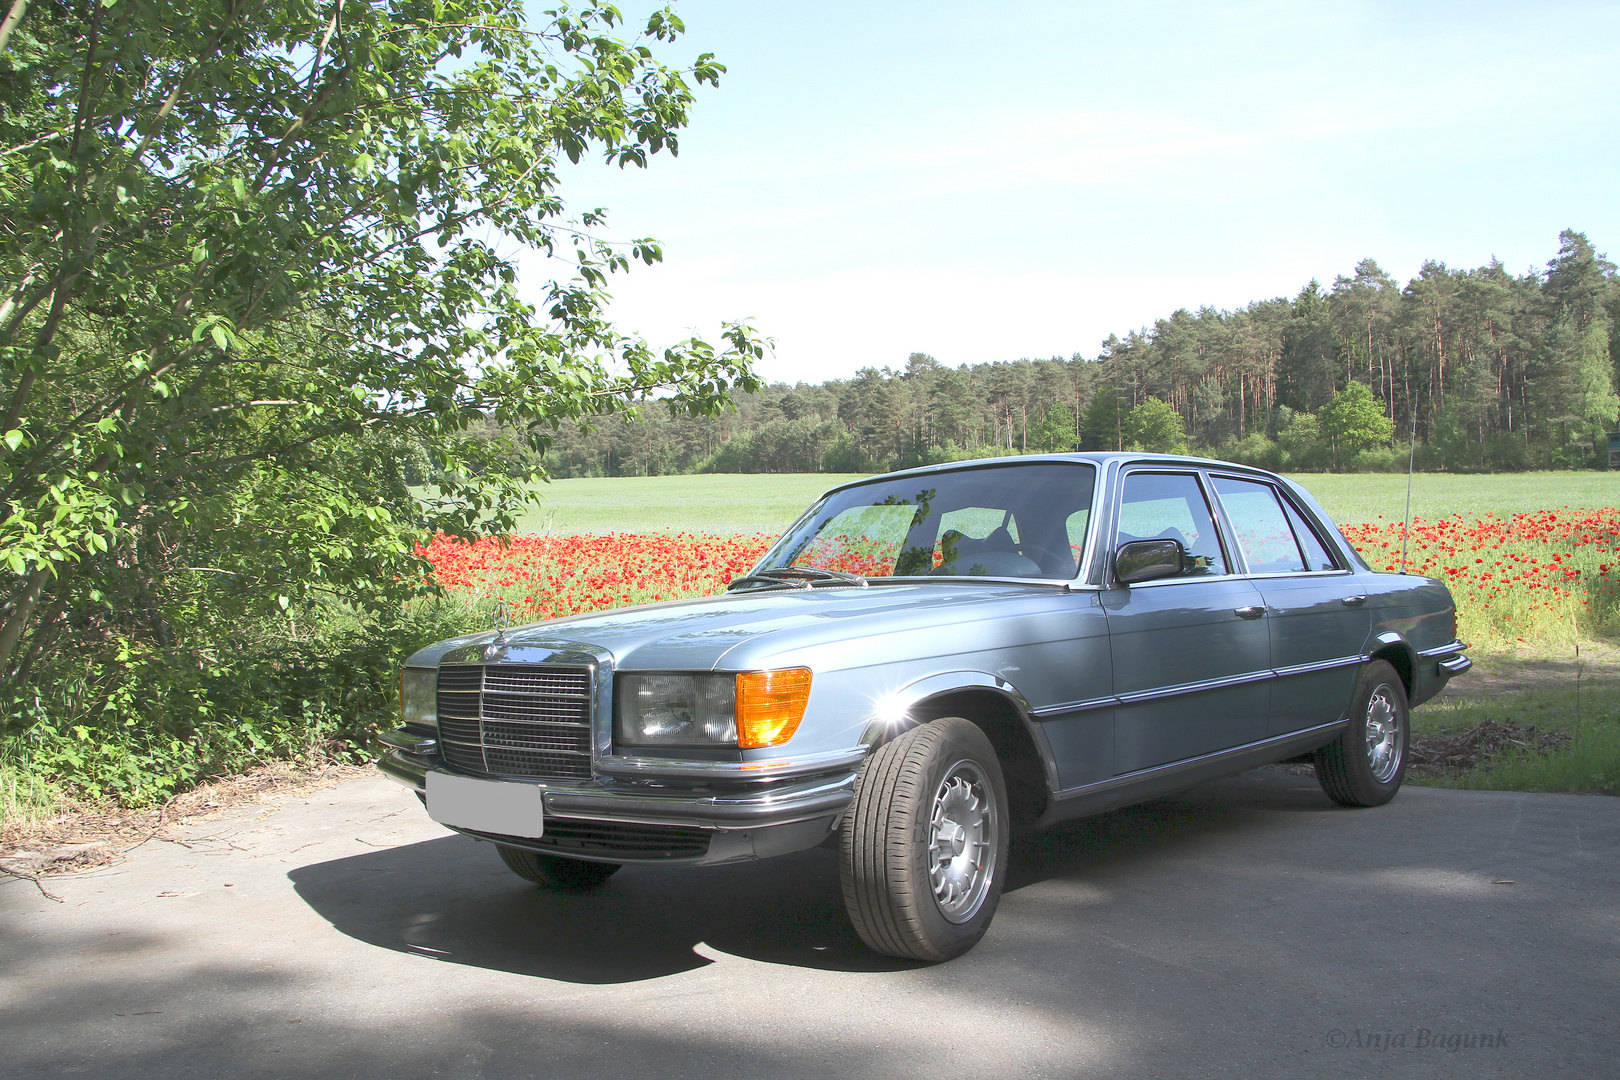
<point>547,577</point>
<point>1542,578</point>
<point>1548,577</point>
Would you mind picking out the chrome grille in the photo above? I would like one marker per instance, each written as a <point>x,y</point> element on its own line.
<point>517,719</point>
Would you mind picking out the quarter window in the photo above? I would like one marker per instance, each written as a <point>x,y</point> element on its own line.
<point>1171,506</point>
<point>1317,556</point>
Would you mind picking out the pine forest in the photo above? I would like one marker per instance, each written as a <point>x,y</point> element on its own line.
<point>1488,371</point>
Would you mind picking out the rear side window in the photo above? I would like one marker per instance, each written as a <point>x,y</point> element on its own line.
<point>1171,506</point>
<point>1260,526</point>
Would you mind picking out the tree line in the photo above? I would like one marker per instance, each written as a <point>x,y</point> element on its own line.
<point>1488,371</point>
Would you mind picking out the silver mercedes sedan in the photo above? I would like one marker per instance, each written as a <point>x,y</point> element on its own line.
<point>925,661</point>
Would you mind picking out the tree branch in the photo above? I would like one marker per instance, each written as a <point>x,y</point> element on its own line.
<point>13,17</point>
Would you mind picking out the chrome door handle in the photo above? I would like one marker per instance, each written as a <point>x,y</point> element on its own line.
<point>1353,601</point>
<point>1249,612</point>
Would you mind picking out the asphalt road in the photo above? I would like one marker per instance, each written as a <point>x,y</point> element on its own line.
<point>1246,928</point>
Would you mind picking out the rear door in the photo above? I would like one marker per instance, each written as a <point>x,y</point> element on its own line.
<point>1318,620</point>
<point>1191,654</point>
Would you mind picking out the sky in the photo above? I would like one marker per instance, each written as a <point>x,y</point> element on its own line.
<point>988,182</point>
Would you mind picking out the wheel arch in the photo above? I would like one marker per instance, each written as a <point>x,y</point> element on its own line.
<point>1392,647</point>
<point>997,709</point>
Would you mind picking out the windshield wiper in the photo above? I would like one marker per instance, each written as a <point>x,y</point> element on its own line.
<point>800,577</point>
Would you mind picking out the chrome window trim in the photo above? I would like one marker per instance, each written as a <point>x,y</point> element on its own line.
<point>1299,573</point>
<point>1081,571</point>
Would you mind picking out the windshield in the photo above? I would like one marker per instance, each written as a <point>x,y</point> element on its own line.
<point>1019,521</point>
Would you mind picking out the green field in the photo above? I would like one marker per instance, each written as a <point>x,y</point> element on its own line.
<point>730,503</point>
<point>709,502</point>
<point>1355,497</point>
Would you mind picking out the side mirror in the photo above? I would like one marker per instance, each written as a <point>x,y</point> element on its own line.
<point>1147,560</point>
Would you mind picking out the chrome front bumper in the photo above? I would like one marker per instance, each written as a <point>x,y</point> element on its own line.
<point>754,809</point>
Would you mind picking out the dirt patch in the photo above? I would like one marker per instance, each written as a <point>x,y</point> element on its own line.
<point>1497,673</point>
<point>83,836</point>
<point>1436,757</point>
<point>1432,757</point>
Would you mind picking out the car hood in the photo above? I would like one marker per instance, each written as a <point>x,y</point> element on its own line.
<point>699,634</point>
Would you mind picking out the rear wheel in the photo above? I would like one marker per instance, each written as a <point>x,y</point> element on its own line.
<point>1365,765</point>
<point>923,846</point>
<point>550,872</point>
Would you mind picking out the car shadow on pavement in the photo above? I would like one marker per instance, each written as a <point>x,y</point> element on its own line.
<point>1158,828</point>
<point>451,898</point>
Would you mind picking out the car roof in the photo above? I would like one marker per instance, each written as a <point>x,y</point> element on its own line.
<point>1099,458</point>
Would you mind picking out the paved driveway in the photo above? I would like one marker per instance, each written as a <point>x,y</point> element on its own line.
<point>1245,928</point>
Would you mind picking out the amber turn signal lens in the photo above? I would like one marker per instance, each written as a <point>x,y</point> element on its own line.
<point>770,705</point>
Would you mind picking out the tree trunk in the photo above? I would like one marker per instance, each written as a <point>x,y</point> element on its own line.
<point>11,631</point>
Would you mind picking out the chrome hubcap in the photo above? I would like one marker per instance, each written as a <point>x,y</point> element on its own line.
<point>962,842</point>
<point>1383,731</point>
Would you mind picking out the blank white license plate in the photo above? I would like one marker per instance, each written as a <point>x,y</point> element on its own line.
<point>486,805</point>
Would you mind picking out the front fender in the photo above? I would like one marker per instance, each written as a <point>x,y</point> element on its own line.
<point>918,702</point>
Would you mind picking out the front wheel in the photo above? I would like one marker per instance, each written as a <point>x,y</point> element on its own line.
<point>551,872</point>
<point>923,846</point>
<point>1365,765</point>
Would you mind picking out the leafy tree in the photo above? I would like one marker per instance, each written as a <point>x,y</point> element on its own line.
<point>1105,421</point>
<point>261,252</point>
<point>1299,436</point>
<point>1353,421</point>
<point>1056,429</point>
<point>1155,427</point>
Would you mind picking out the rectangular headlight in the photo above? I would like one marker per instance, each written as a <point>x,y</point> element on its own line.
<point>677,710</point>
<point>418,702</point>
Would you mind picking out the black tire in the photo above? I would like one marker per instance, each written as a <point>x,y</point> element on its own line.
<point>1365,765</point>
<point>889,831</point>
<point>551,872</point>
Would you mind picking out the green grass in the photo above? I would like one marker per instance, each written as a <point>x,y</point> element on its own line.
<point>710,503</point>
<point>1590,763</point>
<point>25,798</point>
<point>729,503</point>
<point>1355,497</point>
<point>1544,692</point>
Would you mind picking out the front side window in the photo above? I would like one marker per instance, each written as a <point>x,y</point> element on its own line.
<point>1019,521</point>
<point>1171,506</point>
